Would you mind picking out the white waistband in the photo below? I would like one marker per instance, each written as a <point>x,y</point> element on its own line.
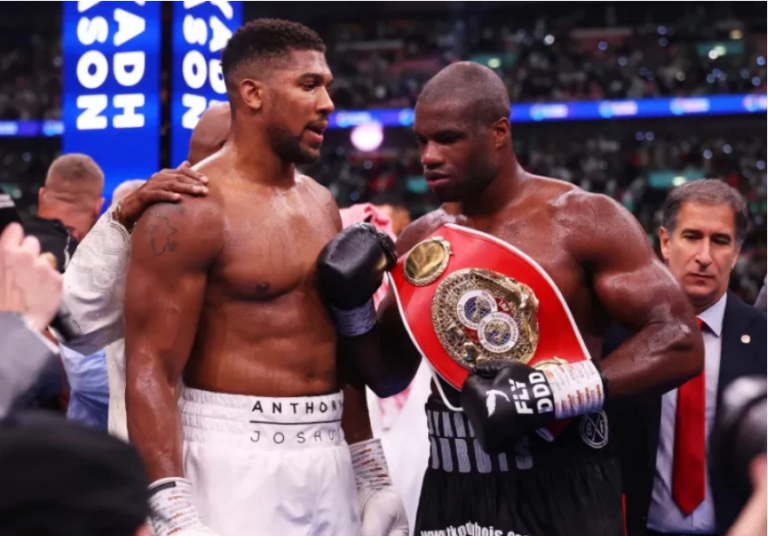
<point>261,422</point>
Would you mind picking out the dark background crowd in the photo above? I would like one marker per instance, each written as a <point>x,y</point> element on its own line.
<point>382,55</point>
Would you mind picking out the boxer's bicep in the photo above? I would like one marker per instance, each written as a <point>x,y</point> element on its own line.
<point>164,291</point>
<point>629,280</point>
<point>170,252</point>
<point>638,292</point>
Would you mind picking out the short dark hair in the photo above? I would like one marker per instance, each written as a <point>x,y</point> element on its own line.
<point>264,39</point>
<point>706,192</point>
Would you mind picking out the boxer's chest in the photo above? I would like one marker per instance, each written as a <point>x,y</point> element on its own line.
<point>272,249</point>
<point>544,241</point>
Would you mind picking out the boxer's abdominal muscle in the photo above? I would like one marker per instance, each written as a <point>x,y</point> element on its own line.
<point>282,345</point>
<point>263,328</point>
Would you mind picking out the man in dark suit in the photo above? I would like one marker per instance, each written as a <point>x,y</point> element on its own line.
<point>663,439</point>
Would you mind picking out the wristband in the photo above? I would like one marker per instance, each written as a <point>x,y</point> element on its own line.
<point>576,388</point>
<point>172,506</point>
<point>370,465</point>
<point>357,321</point>
<point>117,214</point>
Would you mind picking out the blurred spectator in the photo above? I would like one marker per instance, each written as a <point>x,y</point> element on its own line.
<point>69,205</point>
<point>563,53</point>
<point>60,479</point>
<point>30,291</point>
<point>560,56</point>
<point>125,189</point>
<point>72,194</point>
<point>30,75</point>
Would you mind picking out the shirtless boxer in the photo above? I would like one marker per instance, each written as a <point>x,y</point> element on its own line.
<point>94,284</point>
<point>600,260</point>
<point>221,293</point>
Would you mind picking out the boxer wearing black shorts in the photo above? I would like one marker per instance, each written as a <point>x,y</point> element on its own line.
<point>599,259</point>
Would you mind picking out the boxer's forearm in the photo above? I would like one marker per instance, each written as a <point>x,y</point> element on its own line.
<point>660,357</point>
<point>387,362</point>
<point>638,292</point>
<point>387,358</point>
<point>355,420</point>
<point>154,425</point>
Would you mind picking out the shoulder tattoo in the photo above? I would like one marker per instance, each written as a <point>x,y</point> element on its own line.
<point>162,234</point>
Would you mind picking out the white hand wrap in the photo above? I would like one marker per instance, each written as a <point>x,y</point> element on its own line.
<point>577,389</point>
<point>173,510</point>
<point>381,510</point>
<point>357,321</point>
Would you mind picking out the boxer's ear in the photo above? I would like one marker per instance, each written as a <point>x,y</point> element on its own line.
<point>664,239</point>
<point>252,93</point>
<point>502,133</point>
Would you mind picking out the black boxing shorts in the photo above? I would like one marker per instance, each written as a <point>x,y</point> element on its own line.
<point>570,487</point>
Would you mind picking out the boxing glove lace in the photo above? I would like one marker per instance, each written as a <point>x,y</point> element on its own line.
<point>173,510</point>
<point>381,510</point>
<point>506,400</point>
<point>350,270</point>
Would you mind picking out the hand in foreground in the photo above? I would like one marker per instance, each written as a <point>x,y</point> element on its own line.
<point>752,520</point>
<point>165,186</point>
<point>28,284</point>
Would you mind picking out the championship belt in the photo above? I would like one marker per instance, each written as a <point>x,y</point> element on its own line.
<point>466,297</point>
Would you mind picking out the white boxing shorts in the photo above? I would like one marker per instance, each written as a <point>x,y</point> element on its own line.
<point>269,466</point>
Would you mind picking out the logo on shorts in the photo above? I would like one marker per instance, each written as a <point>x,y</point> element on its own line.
<point>594,429</point>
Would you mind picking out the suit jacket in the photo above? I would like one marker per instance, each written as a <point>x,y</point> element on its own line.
<point>23,355</point>
<point>761,300</point>
<point>636,424</point>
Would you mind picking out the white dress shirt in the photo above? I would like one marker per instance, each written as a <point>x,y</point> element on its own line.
<point>664,514</point>
<point>94,293</point>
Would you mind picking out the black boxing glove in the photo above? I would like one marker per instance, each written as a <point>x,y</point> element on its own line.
<point>506,400</point>
<point>349,272</point>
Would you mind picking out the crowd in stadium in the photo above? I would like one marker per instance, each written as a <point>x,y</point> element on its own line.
<point>385,63</point>
<point>171,318</point>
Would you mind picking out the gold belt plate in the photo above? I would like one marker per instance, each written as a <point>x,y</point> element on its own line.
<point>482,315</point>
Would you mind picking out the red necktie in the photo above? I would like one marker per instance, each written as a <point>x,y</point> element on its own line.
<point>690,440</point>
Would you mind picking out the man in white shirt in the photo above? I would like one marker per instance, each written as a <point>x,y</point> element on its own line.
<point>94,283</point>
<point>664,441</point>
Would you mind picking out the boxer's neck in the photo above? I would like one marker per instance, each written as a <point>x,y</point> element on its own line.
<point>501,191</point>
<point>255,158</point>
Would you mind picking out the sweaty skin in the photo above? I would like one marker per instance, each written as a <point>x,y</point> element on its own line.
<point>605,268</point>
<point>221,290</point>
<point>594,250</point>
<point>227,297</point>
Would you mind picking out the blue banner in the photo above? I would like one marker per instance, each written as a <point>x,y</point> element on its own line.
<point>521,113</point>
<point>111,87</point>
<point>201,29</point>
<point>581,110</point>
